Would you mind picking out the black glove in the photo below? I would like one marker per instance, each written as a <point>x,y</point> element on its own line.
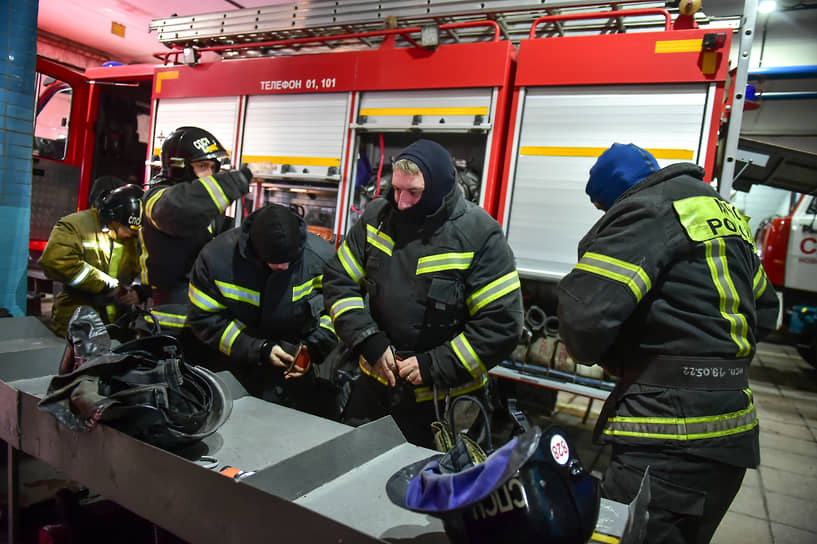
<point>246,172</point>
<point>235,183</point>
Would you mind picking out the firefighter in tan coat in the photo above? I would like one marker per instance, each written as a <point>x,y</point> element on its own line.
<point>93,253</point>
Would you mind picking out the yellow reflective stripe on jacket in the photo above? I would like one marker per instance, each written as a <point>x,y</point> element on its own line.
<point>231,332</point>
<point>149,206</point>
<point>84,272</point>
<point>300,291</point>
<point>344,305</point>
<point>203,301</point>
<point>117,252</point>
<point>494,290</point>
<point>164,319</point>
<point>216,192</point>
<point>326,323</point>
<point>426,393</point>
<point>380,240</point>
<point>365,368</point>
<point>706,217</point>
<point>143,259</point>
<point>759,283</point>
<point>729,301</point>
<point>633,276</point>
<point>684,428</point>
<point>236,292</point>
<point>350,263</point>
<point>467,356</point>
<point>445,261</point>
<point>91,244</point>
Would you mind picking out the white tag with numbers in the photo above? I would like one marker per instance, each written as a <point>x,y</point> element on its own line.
<point>559,449</point>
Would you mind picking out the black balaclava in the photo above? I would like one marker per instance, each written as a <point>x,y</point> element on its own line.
<point>438,172</point>
<point>277,234</point>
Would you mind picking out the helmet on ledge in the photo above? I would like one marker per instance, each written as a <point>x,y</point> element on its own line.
<point>532,489</point>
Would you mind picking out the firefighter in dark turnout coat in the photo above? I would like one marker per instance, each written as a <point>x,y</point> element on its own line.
<point>442,290</point>
<point>255,293</point>
<point>184,210</point>
<point>669,295</point>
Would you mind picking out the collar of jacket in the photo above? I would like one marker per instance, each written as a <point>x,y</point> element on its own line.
<point>453,206</point>
<point>670,172</point>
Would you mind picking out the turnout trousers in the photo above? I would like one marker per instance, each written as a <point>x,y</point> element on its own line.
<point>689,494</point>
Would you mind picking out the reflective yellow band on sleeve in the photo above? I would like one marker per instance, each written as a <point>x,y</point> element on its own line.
<point>759,283</point>
<point>445,261</point>
<point>216,192</point>
<point>203,301</point>
<point>238,293</point>
<point>326,323</point>
<point>494,290</point>
<point>84,272</point>
<point>728,298</point>
<point>467,356</point>
<point>344,305</point>
<point>380,240</point>
<point>228,337</point>
<point>90,244</point>
<point>633,276</point>
<point>350,263</point>
<point>300,291</point>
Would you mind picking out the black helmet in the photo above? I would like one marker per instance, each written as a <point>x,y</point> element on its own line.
<point>124,205</point>
<point>101,187</point>
<point>187,145</point>
<point>532,489</point>
<point>142,388</point>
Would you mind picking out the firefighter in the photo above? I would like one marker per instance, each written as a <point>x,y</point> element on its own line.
<point>93,253</point>
<point>669,296</point>
<point>255,298</point>
<point>444,302</point>
<point>184,210</point>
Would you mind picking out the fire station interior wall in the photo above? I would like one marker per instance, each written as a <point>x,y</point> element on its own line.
<point>562,132</point>
<point>218,115</point>
<point>302,132</point>
<point>16,119</point>
<point>461,120</point>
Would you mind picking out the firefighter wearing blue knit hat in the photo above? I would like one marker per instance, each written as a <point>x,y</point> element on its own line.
<point>669,295</point>
<point>618,169</point>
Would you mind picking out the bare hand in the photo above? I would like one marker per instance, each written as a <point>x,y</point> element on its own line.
<point>126,297</point>
<point>409,370</point>
<point>279,357</point>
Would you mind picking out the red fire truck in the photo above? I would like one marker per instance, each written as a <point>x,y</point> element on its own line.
<point>317,114</point>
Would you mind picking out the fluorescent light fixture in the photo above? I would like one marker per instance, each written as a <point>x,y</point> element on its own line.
<point>766,6</point>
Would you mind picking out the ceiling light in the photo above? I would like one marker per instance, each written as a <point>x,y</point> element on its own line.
<point>767,6</point>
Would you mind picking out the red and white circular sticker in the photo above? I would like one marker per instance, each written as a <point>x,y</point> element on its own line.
<point>559,449</point>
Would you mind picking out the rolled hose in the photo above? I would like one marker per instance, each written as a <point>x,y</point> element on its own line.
<point>535,318</point>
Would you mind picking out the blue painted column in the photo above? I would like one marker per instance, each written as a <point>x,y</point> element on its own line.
<point>18,58</point>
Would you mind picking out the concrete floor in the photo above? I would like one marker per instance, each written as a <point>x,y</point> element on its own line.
<point>776,504</point>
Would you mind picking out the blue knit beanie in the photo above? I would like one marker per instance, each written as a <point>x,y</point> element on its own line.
<point>616,170</point>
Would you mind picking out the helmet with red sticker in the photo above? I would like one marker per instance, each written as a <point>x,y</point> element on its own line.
<point>532,489</point>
